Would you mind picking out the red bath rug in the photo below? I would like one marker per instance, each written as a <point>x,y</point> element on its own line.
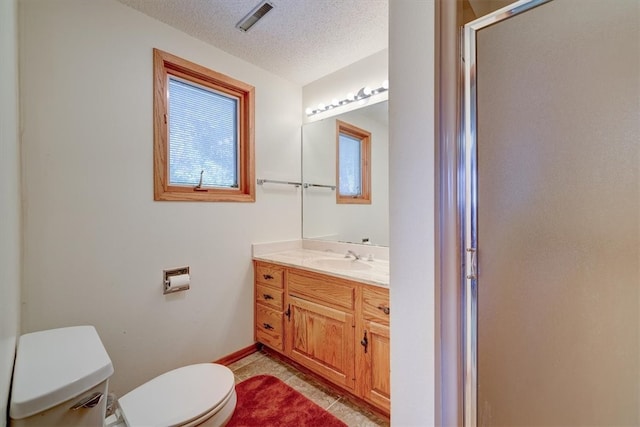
<point>266,401</point>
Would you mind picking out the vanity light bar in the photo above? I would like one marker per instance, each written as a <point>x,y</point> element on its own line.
<point>362,94</point>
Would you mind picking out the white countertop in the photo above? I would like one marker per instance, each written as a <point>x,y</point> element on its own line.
<point>374,272</point>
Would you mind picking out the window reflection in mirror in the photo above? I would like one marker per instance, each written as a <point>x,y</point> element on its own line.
<point>353,170</point>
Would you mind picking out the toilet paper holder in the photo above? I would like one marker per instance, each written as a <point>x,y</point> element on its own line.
<point>176,280</point>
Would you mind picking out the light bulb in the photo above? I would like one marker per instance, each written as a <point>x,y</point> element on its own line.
<point>365,92</point>
<point>385,84</point>
<point>308,111</point>
<point>321,107</point>
<point>350,96</point>
<point>335,102</point>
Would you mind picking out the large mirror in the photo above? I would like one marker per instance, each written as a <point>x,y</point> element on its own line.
<point>322,216</point>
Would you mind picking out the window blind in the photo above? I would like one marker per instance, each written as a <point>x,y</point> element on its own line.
<point>203,136</point>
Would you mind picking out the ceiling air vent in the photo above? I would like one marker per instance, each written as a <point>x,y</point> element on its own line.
<point>254,16</point>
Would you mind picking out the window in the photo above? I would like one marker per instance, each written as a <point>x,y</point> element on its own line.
<point>203,133</point>
<point>353,164</point>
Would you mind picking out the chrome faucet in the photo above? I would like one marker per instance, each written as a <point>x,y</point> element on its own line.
<point>350,252</point>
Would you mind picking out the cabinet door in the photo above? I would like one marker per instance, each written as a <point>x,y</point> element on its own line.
<point>322,339</point>
<point>374,366</point>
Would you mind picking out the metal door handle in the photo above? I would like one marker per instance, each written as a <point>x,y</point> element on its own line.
<point>474,261</point>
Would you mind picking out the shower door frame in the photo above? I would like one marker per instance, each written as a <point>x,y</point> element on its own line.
<point>469,201</point>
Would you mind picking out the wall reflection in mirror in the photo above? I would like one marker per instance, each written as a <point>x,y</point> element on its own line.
<point>324,218</point>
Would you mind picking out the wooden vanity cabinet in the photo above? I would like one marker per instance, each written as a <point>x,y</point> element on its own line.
<point>320,333</point>
<point>373,358</point>
<point>269,305</point>
<point>335,327</point>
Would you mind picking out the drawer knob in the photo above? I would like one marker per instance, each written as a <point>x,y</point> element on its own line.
<point>267,296</point>
<point>385,309</point>
<point>267,277</point>
<point>267,326</point>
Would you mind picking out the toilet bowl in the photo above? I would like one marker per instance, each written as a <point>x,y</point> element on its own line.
<point>61,378</point>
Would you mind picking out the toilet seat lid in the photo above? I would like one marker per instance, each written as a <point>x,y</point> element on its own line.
<point>178,396</point>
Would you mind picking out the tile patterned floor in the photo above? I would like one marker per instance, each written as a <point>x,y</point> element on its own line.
<point>261,363</point>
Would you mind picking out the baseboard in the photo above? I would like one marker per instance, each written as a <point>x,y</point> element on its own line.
<point>235,356</point>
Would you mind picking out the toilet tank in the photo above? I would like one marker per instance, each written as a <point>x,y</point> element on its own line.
<point>60,378</point>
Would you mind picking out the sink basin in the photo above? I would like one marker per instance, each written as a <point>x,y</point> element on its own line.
<point>340,264</point>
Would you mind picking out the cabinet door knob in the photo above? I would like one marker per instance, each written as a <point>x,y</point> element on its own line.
<point>267,277</point>
<point>267,326</point>
<point>385,309</point>
<point>365,342</point>
<point>267,296</point>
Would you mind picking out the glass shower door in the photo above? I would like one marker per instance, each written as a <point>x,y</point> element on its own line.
<point>553,201</point>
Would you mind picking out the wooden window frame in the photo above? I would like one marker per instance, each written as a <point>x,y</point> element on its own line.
<point>365,163</point>
<point>165,65</point>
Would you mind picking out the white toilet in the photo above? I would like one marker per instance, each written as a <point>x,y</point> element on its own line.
<point>61,378</point>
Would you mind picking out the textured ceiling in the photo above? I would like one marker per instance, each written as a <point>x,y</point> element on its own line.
<point>300,40</point>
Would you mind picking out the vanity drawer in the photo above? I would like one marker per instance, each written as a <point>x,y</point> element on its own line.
<point>269,296</point>
<point>269,274</point>
<point>336,292</point>
<point>269,325</point>
<point>375,304</point>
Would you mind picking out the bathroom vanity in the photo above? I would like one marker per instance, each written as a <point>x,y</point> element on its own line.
<point>329,314</point>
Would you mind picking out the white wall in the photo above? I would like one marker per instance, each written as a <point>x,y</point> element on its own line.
<point>95,241</point>
<point>370,71</point>
<point>411,151</point>
<point>10,235</point>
